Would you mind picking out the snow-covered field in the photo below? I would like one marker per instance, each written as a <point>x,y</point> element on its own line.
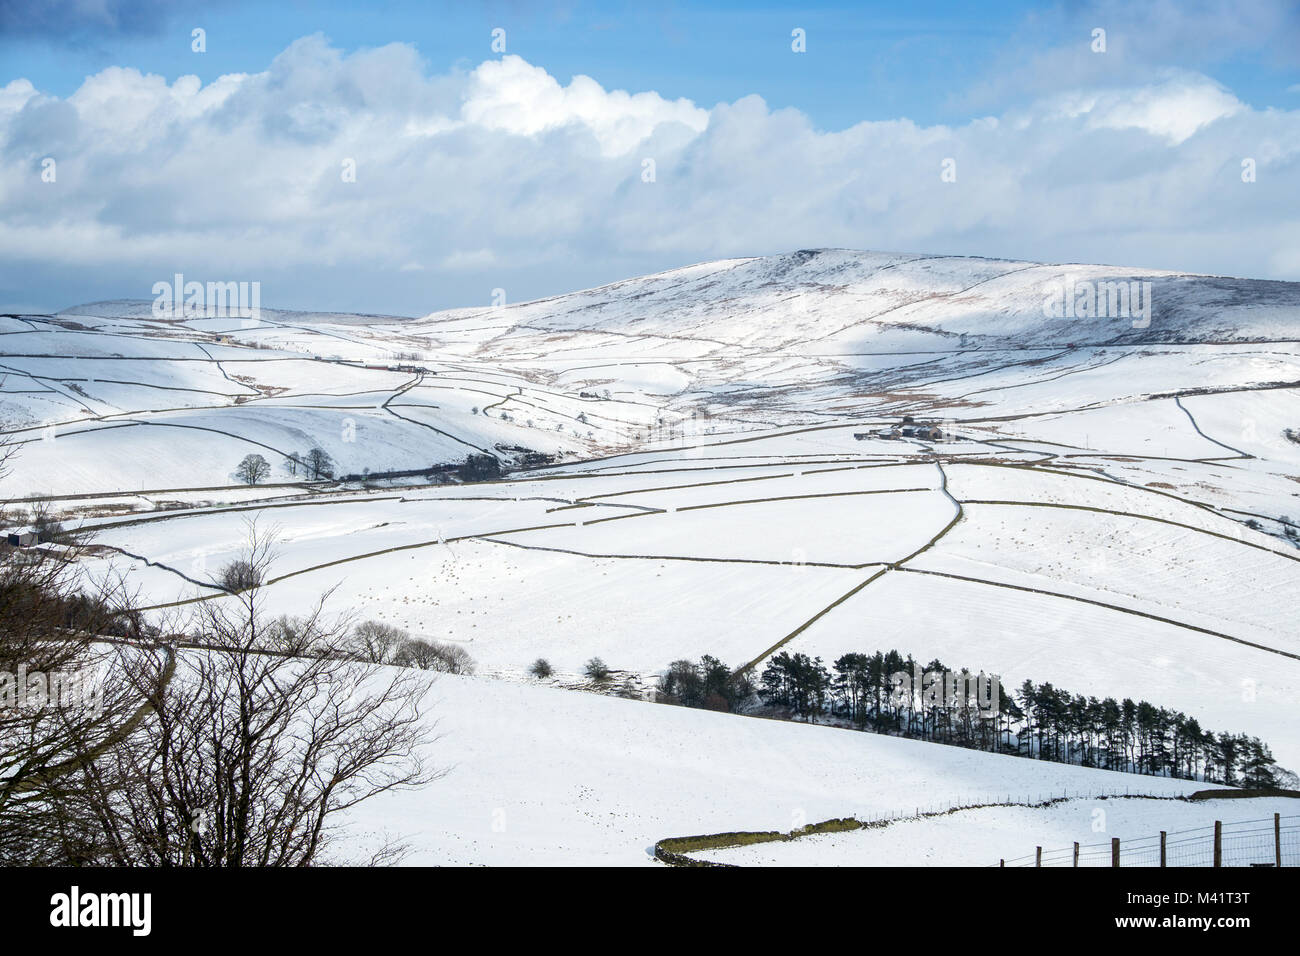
<point>541,775</point>
<point>692,466</point>
<point>981,836</point>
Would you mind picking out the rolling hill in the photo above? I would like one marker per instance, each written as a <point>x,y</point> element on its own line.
<point>704,461</point>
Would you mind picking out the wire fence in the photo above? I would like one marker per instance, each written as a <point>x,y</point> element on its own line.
<point>1269,841</point>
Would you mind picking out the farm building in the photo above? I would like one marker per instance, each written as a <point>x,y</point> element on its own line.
<point>927,432</point>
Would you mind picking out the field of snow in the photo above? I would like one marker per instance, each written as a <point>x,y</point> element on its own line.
<point>544,776</point>
<point>691,466</point>
<point>981,837</point>
<point>1083,648</point>
<point>1167,570</point>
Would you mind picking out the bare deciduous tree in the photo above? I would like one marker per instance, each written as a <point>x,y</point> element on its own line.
<point>318,464</point>
<point>266,733</point>
<point>435,656</point>
<point>376,642</point>
<point>252,469</point>
<point>62,703</point>
<point>235,742</point>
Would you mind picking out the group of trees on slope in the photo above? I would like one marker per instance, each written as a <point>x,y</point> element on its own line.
<point>1038,721</point>
<point>316,465</point>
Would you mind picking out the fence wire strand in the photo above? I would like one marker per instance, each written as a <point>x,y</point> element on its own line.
<point>1241,843</point>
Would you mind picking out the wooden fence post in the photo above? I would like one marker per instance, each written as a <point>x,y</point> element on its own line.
<point>1218,843</point>
<point>1038,856</point>
<point>1114,851</point>
<point>1076,852</point>
<point>1277,840</point>
<point>1162,847</point>
<point>1002,862</point>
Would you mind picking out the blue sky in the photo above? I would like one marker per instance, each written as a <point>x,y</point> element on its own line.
<point>1157,125</point>
<point>869,60</point>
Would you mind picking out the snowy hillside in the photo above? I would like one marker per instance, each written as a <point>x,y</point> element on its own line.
<point>530,784</point>
<point>721,459</point>
<point>710,348</point>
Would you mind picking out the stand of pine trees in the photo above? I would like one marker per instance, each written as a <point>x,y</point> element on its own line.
<point>1040,721</point>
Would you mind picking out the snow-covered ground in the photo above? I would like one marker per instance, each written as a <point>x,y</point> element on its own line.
<point>693,467</point>
<point>546,776</point>
<point>984,836</point>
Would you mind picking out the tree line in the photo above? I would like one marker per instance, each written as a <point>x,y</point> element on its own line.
<point>888,692</point>
<point>317,465</point>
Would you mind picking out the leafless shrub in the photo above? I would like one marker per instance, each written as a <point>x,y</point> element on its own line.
<point>597,670</point>
<point>239,575</point>
<point>435,656</point>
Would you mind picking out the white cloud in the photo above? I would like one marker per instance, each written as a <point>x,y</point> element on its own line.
<point>512,95</point>
<point>1174,109</point>
<point>502,171</point>
<point>14,95</point>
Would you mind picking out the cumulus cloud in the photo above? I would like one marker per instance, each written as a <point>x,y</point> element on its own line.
<point>1173,109</point>
<point>367,168</point>
<point>511,95</point>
